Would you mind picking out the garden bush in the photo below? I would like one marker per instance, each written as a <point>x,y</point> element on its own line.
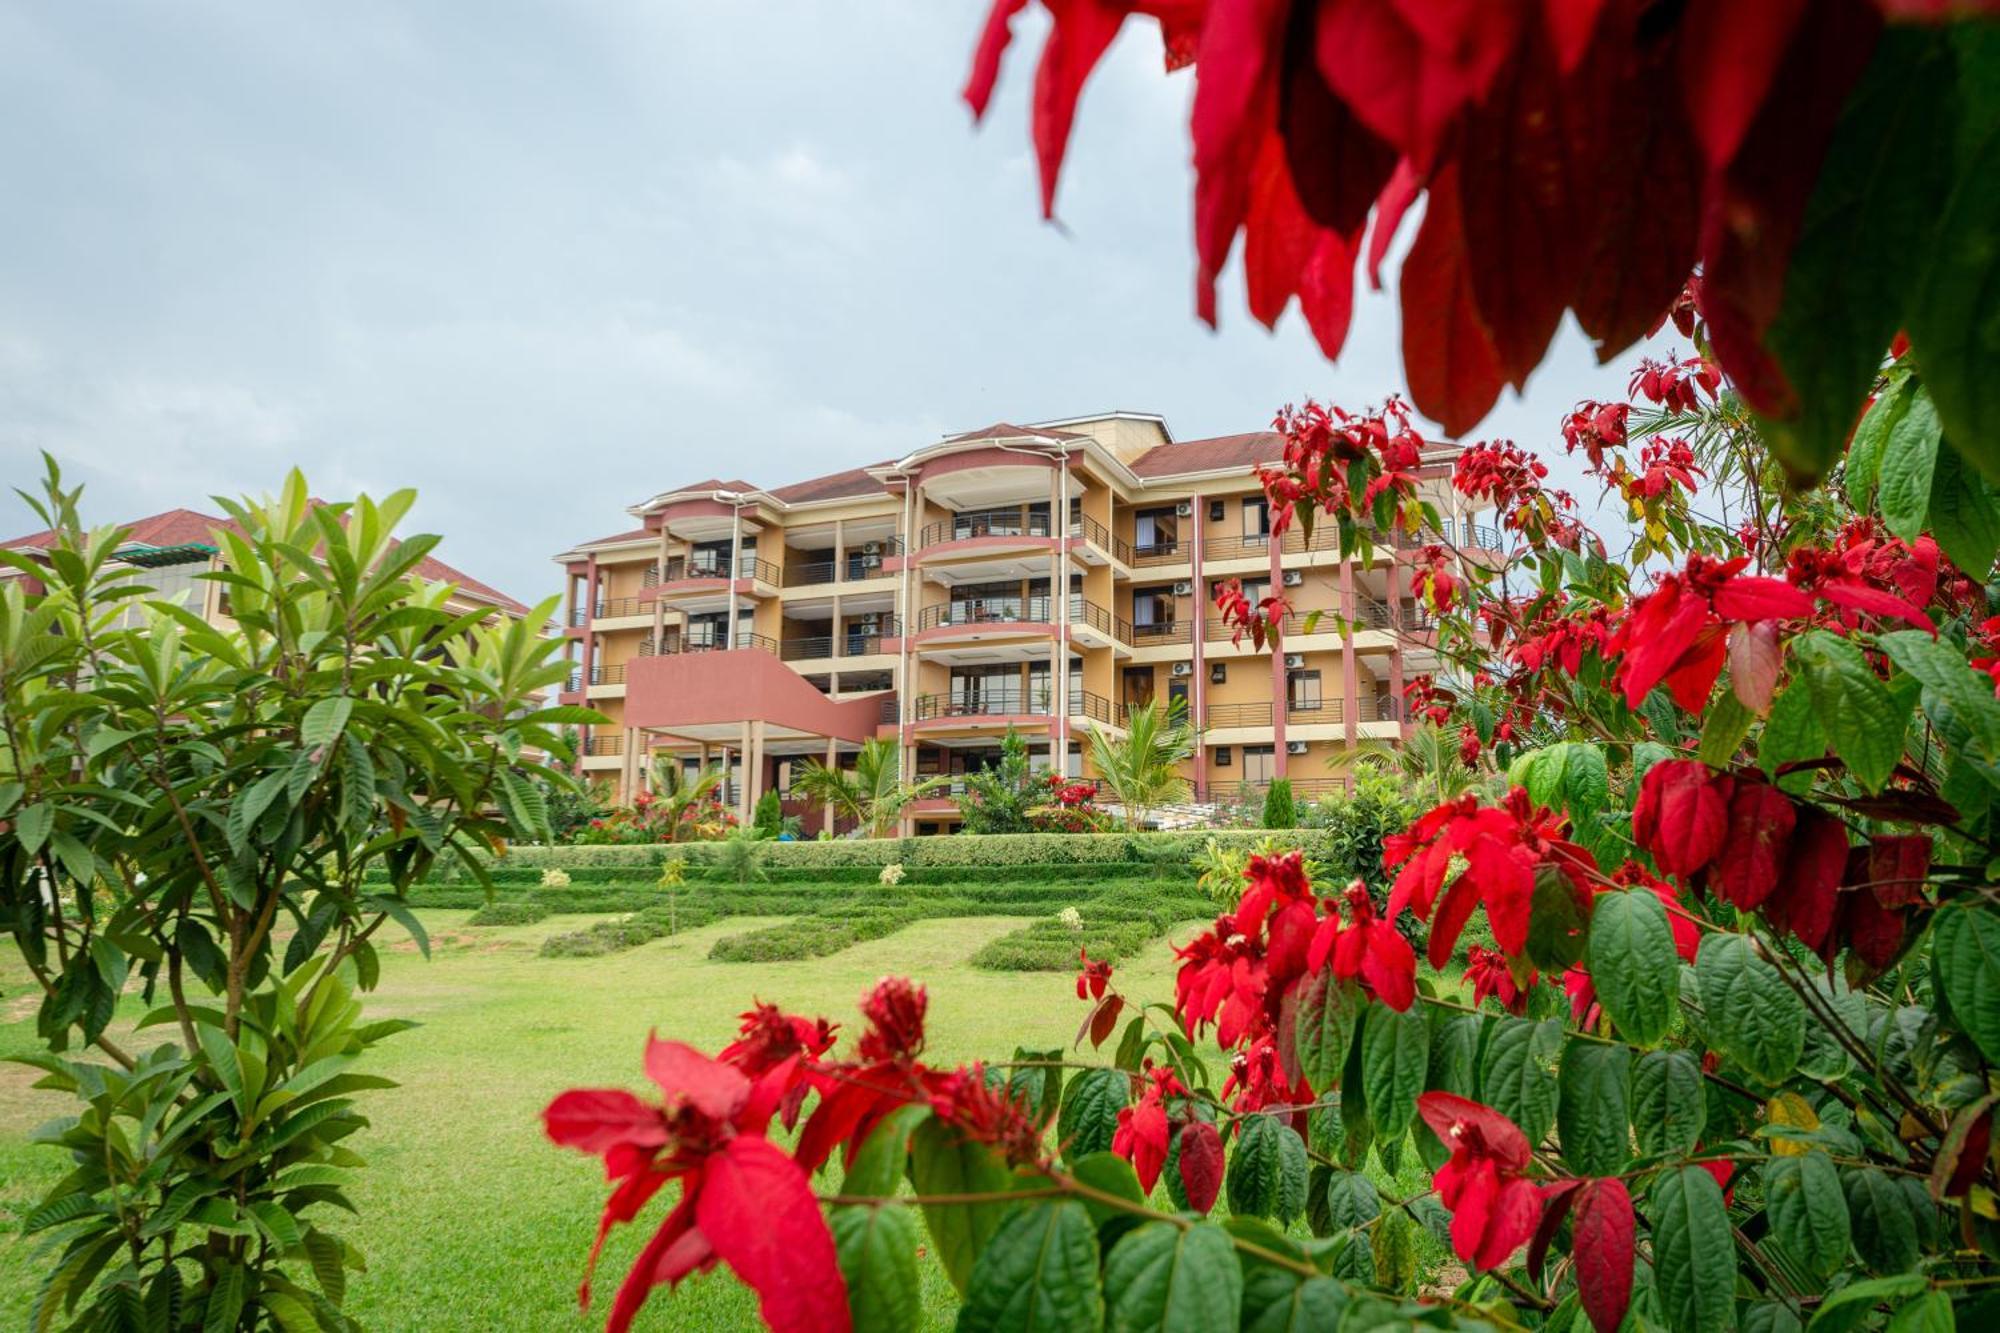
<point>512,912</point>
<point>812,936</point>
<point>1280,812</point>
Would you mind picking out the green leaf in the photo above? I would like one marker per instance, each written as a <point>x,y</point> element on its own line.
<point>325,720</point>
<point>1808,1210</point>
<point>879,1164</point>
<point>944,1161</point>
<point>1965,952</point>
<point>1325,1027</point>
<point>1276,1300</point>
<point>1948,678</point>
<point>1039,1273</point>
<point>1395,1056</point>
<point>1864,721</point>
<point>1517,1075</point>
<point>1669,1107</point>
<point>1111,1174</point>
<point>1351,1199</point>
<point>398,910</point>
<point>225,1301</point>
<point>1257,1167</point>
<point>1952,330</point>
<point>1885,1229</point>
<point>1928,1313</point>
<point>1454,1067</point>
<point>1586,780</point>
<point>1847,1308</point>
<point>1558,921</point>
<point>1792,732</point>
<point>1722,734</point>
<point>1632,960</point>
<point>1860,248</point>
<point>1864,454</point>
<point>1593,1113</point>
<point>1748,1011</point>
<point>877,1249</point>
<point>1090,1109</point>
<point>1694,1251</point>
<point>1963,516</point>
<point>1161,1278</point>
<point>1909,461</point>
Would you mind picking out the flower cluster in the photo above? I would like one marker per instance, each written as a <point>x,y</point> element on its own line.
<point>1676,386</point>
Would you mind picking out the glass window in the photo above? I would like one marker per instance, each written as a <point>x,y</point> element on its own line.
<point>180,584</point>
<point>1259,763</point>
<point>1256,517</point>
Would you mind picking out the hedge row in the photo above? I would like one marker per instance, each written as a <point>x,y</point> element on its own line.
<point>520,913</point>
<point>1116,926</point>
<point>983,852</point>
<point>812,936</point>
<point>953,898</point>
<point>506,876</point>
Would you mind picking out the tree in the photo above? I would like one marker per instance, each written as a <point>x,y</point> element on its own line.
<point>678,798</point>
<point>1001,799</point>
<point>873,793</point>
<point>223,818</point>
<point>769,817</point>
<point>1425,762</point>
<point>1142,768</point>
<point>1279,811</point>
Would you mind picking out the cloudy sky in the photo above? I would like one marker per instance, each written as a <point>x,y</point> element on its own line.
<point>543,260</point>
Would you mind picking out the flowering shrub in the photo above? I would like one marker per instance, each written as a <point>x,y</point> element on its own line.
<point>555,877</point>
<point>892,874</point>
<point>1071,918</point>
<point>651,820</point>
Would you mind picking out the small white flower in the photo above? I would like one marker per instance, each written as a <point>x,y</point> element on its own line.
<point>555,877</point>
<point>1071,918</point>
<point>892,874</point>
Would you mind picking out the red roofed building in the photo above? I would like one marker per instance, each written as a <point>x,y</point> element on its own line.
<point>179,545</point>
<point>1047,577</point>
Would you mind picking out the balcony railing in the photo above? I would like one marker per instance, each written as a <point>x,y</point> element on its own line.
<point>609,607</point>
<point>706,566</point>
<point>1325,538</point>
<point>1239,715</point>
<point>604,745</point>
<point>1016,521</point>
<point>1159,632</point>
<point>812,645</point>
<point>858,564</point>
<point>1088,528</point>
<point>1314,710</point>
<point>868,643</point>
<point>1014,703</point>
<point>1292,624</point>
<point>1235,547</point>
<point>600,674</point>
<point>1169,552</point>
<point>715,643</point>
<point>1037,610</point>
<point>851,644</point>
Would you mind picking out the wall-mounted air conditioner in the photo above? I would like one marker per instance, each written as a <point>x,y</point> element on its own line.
<point>1184,589</point>
<point>1185,509</point>
<point>1295,747</point>
<point>1183,669</point>
<point>871,548</point>
<point>1295,660</point>
<point>1293,578</point>
<point>1218,672</point>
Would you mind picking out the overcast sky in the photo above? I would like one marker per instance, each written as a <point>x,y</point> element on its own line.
<point>543,260</point>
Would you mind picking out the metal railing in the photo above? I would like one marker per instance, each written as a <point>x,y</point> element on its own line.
<point>1239,715</point>
<point>716,642</point>
<point>1088,528</point>
<point>600,674</point>
<point>1325,538</point>
<point>868,643</point>
<point>1011,521</point>
<point>1166,631</point>
<point>1322,709</point>
<point>1036,610</point>
<point>609,607</point>
<point>705,566</point>
<point>851,644</point>
<point>1233,548</point>
<point>1015,703</point>
<point>604,745</point>
<point>1160,553</point>
<point>812,645</point>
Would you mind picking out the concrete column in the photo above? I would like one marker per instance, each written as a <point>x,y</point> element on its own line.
<point>743,784</point>
<point>1350,674</point>
<point>755,790</point>
<point>1395,576</point>
<point>1279,768</point>
<point>588,657</point>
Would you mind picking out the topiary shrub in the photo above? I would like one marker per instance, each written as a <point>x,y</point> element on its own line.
<point>1279,810</point>
<point>511,913</point>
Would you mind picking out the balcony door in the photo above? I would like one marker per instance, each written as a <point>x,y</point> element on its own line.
<point>1138,686</point>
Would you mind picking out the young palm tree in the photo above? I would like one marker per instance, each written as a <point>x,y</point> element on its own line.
<point>873,795</point>
<point>1425,764</point>
<point>676,794</point>
<point>1142,768</point>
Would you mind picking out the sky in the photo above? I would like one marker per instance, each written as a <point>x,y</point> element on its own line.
<point>542,261</point>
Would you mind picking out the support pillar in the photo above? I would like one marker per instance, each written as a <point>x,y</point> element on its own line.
<point>1279,768</point>
<point>832,761</point>
<point>1395,576</point>
<point>743,780</point>
<point>1350,674</point>
<point>1197,634</point>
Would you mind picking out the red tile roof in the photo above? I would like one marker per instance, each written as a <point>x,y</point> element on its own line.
<point>1002,430</point>
<point>855,481</point>
<point>632,536</point>
<point>187,527</point>
<point>1222,451</point>
<point>712,485</point>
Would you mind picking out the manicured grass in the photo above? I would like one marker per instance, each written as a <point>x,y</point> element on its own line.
<point>469,1218</point>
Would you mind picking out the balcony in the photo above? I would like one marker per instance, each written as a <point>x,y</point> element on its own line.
<point>1239,715</point>
<point>851,644</point>
<point>1161,632</point>
<point>1236,547</point>
<point>600,674</point>
<point>1014,703</point>
<point>599,746</point>
<point>1169,552</point>
<point>702,566</point>
<point>1039,610</point>
<point>1012,521</point>
<point>1090,530</point>
<point>807,648</point>
<point>858,565</point>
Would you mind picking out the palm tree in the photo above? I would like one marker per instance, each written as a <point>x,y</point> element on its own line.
<point>1426,763</point>
<point>676,795</point>
<point>873,794</point>
<point>1142,768</point>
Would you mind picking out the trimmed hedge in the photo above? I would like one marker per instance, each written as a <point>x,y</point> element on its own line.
<point>1115,926</point>
<point>812,936</point>
<point>527,877</point>
<point>517,913</point>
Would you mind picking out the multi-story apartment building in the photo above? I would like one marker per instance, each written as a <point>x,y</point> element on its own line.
<point>1045,578</point>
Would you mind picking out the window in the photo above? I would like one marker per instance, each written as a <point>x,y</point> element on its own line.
<point>1153,606</point>
<point>1216,510</point>
<point>1259,763</point>
<point>180,583</point>
<point>1223,756</point>
<point>1257,589</point>
<point>1256,517</point>
<point>1155,531</point>
<point>1302,691</point>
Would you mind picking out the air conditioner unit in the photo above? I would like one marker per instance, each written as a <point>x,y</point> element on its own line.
<point>1218,672</point>
<point>871,548</point>
<point>1185,509</point>
<point>1295,747</point>
<point>1295,660</point>
<point>1184,589</point>
<point>1292,578</point>
<point>1183,668</point>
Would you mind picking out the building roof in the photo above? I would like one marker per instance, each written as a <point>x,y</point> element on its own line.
<point>1004,430</point>
<point>189,527</point>
<point>712,484</point>
<point>854,482</point>
<point>1221,451</point>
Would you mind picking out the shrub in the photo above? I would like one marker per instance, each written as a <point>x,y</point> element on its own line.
<point>769,816</point>
<point>555,877</point>
<point>1279,811</point>
<point>892,874</point>
<point>811,936</point>
<point>514,913</point>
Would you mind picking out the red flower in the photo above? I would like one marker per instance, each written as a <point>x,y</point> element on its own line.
<point>1804,901</point>
<point>1490,975</point>
<point>1468,745</point>
<point>1682,814</point>
<point>1095,976</point>
<point>1870,573</point>
<point>1672,384</point>
<point>895,1014</point>
<point>1368,949</point>
<point>1676,633</point>
<point>1503,846</point>
<point>771,1040</point>
<point>1091,984</point>
<point>1143,1128</point>
<point>743,1201</point>
<point>1595,427</point>
<point>1756,844</point>
<point>987,1112</point>
<point>1494,1206</point>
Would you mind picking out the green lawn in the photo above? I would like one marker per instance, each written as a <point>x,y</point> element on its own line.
<point>469,1218</point>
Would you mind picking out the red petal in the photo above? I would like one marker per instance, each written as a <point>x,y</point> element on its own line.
<point>674,1251</point>
<point>1663,631</point>
<point>1755,597</point>
<point>1753,664</point>
<point>1448,353</point>
<point>993,40</point>
<point>1390,968</point>
<point>1603,1230</point>
<point>1201,1164</point>
<point>1569,24</point>
<point>595,1120</point>
<point>1693,678</point>
<point>759,1212</point>
<point>1858,596</point>
<point>1758,839</point>
<point>1104,1019</point>
<point>1336,163</point>
<point>1506,878</point>
<point>1682,816</point>
<point>1234,112</point>
<point>1452,915</point>
<point>1805,901</point>
<point>1326,291</point>
<point>1511,1223</point>
<point>1483,1130</point>
<point>1731,55</point>
<point>1077,41</point>
<point>715,1089</point>
<point>1390,205</point>
<point>1898,868</point>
